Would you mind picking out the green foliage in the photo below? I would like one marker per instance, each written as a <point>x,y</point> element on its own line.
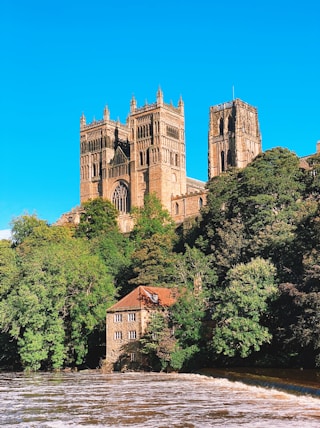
<point>160,345</point>
<point>158,342</point>
<point>260,227</point>
<point>32,351</point>
<point>56,299</point>
<point>153,262</point>
<point>8,267</point>
<point>151,219</point>
<point>240,306</point>
<point>153,258</point>
<point>312,175</point>
<point>255,212</point>
<point>194,270</point>
<point>173,338</point>
<point>115,249</point>
<point>303,304</point>
<point>99,217</point>
<point>23,227</point>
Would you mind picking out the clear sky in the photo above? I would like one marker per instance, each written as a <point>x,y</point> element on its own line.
<point>62,58</point>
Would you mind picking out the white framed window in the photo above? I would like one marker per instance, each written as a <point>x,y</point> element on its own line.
<point>131,316</point>
<point>118,335</point>
<point>132,356</point>
<point>117,317</point>
<point>132,334</point>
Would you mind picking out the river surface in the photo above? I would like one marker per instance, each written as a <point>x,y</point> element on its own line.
<point>93,399</point>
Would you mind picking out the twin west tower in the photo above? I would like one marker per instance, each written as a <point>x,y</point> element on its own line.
<point>147,154</point>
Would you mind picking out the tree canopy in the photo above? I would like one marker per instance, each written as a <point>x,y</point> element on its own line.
<point>248,275</point>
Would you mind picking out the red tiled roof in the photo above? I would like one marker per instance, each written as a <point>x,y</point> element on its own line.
<point>142,296</point>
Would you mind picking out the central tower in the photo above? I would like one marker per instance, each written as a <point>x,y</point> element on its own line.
<point>234,136</point>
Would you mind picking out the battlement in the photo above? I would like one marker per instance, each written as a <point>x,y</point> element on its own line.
<point>149,107</point>
<point>102,122</point>
<point>230,104</point>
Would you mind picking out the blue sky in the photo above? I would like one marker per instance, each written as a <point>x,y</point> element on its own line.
<point>60,59</point>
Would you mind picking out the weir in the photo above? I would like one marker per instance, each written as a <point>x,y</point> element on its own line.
<point>149,400</point>
<point>294,381</point>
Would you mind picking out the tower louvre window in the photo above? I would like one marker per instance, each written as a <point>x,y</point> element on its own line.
<point>230,124</point>
<point>221,126</point>
<point>229,158</point>
<point>173,132</point>
<point>222,162</point>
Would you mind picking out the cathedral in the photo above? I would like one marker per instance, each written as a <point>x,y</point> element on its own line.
<point>124,162</point>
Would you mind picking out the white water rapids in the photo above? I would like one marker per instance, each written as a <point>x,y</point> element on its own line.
<point>92,399</point>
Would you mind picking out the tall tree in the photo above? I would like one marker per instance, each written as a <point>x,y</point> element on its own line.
<point>153,236</point>
<point>240,306</point>
<point>258,209</point>
<point>57,300</point>
<point>151,219</point>
<point>23,227</point>
<point>99,217</point>
<point>153,262</point>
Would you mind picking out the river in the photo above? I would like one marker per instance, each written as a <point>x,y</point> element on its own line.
<point>93,399</point>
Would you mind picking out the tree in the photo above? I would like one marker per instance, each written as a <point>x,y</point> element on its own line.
<point>174,337</point>
<point>153,236</point>
<point>258,209</point>
<point>151,219</point>
<point>240,306</point>
<point>304,301</point>
<point>9,272</point>
<point>8,268</point>
<point>153,262</point>
<point>160,345</point>
<point>23,227</point>
<point>99,217</point>
<point>196,279</point>
<point>312,176</point>
<point>221,191</point>
<point>56,302</point>
<point>270,195</point>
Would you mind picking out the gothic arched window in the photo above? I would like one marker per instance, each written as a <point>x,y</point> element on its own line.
<point>120,198</point>
<point>200,203</point>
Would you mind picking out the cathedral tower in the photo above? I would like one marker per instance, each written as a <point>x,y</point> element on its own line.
<point>234,136</point>
<point>124,162</point>
<point>157,151</point>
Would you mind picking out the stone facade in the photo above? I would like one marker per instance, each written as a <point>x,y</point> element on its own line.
<point>234,136</point>
<point>127,321</point>
<point>124,162</point>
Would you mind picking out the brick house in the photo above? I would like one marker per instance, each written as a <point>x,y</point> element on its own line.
<point>127,321</point>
